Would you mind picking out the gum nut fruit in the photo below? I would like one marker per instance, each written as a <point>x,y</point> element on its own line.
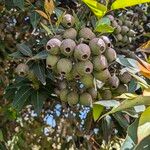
<point>85,99</point>
<point>119,37</point>
<point>69,76</point>
<point>67,47</point>
<point>82,52</point>
<point>125,77</point>
<point>124,29</point>
<point>53,45</point>
<point>63,95</point>
<point>120,23</point>
<point>57,91</point>
<point>72,98</point>
<point>128,24</point>
<point>114,24</point>
<point>75,74</point>
<point>125,39</point>
<point>62,85</point>
<point>92,92</point>
<point>106,40</point>
<point>122,88</point>
<point>114,82</point>
<point>118,29</point>
<point>87,81</point>
<point>131,33</point>
<point>59,37</point>
<point>64,66</point>
<point>22,70</point>
<point>106,94</point>
<point>111,18</point>
<point>102,75</point>
<point>84,67</point>
<point>97,46</point>
<point>86,33</point>
<point>68,21</point>
<point>51,61</point>
<point>70,34</point>
<point>100,63</point>
<point>110,55</point>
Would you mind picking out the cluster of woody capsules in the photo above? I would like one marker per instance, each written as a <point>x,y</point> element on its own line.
<point>78,60</point>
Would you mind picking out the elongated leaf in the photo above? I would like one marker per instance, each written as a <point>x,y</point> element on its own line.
<point>39,71</point>
<point>103,26</point>
<point>47,29</point>
<point>24,49</point>
<point>19,3</point>
<point>38,98</point>
<point>144,125</point>
<point>97,111</point>
<point>21,97</point>
<point>41,55</point>
<point>126,3</point>
<point>1,136</point>
<point>98,9</point>
<point>49,7</point>
<point>17,54</point>
<point>34,19</point>
<point>41,13</point>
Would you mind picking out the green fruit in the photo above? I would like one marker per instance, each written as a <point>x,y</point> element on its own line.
<point>110,55</point>
<point>128,23</point>
<point>22,70</point>
<point>100,63</point>
<point>86,33</point>
<point>87,81</point>
<point>67,47</point>
<point>63,95</point>
<point>59,37</point>
<point>106,40</point>
<point>118,29</point>
<point>125,77</point>
<point>113,82</point>
<point>82,52</point>
<point>72,98</point>
<point>68,21</point>
<point>106,94</point>
<point>70,34</point>
<point>97,46</point>
<point>122,88</point>
<point>102,75</point>
<point>63,85</point>
<point>131,33</point>
<point>114,24</point>
<point>120,23</point>
<point>51,61</point>
<point>85,99</point>
<point>53,45</point>
<point>92,92</point>
<point>75,74</point>
<point>64,66</point>
<point>119,37</point>
<point>124,29</point>
<point>84,67</point>
<point>125,39</point>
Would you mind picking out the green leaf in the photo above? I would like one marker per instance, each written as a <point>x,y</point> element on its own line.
<point>46,28</point>
<point>97,111</point>
<point>24,49</point>
<point>17,54</point>
<point>34,19</point>
<point>97,8</point>
<point>144,125</point>
<point>1,136</point>
<point>41,55</point>
<point>103,26</point>
<point>38,98</point>
<point>19,3</point>
<point>21,97</point>
<point>126,3</point>
<point>39,71</point>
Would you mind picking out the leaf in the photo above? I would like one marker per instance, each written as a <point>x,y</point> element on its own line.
<point>41,55</point>
<point>17,54</point>
<point>41,13</point>
<point>144,125</point>
<point>103,26</point>
<point>24,49</point>
<point>21,97</point>
<point>127,3</point>
<point>1,136</point>
<point>49,7</point>
<point>97,111</point>
<point>127,96</point>
<point>39,71</point>
<point>34,19</point>
<point>49,32</point>
<point>145,47</point>
<point>38,99</point>
<point>19,3</point>
<point>98,9</point>
<point>146,92</point>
